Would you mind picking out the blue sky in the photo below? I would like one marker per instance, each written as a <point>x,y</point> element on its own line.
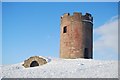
<point>30,29</point>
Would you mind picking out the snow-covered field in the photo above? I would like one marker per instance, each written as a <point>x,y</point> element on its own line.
<point>63,68</point>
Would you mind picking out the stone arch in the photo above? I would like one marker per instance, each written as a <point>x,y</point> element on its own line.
<point>34,61</point>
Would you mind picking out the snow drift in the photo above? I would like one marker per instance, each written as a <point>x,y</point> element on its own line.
<point>63,68</point>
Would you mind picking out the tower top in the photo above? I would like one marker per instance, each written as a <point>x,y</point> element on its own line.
<point>87,17</point>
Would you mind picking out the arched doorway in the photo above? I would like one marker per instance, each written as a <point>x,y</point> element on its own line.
<point>34,63</point>
<point>86,53</point>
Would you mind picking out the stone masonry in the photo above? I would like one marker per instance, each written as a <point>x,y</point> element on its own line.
<point>34,61</point>
<point>76,36</point>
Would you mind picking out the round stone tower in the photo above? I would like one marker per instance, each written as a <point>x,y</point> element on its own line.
<point>76,36</point>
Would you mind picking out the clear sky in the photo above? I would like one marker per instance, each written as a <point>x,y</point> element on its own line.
<point>34,29</point>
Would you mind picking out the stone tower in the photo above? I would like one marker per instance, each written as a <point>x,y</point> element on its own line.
<point>76,36</point>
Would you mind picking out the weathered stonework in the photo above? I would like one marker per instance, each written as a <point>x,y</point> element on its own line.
<point>34,61</point>
<point>76,36</point>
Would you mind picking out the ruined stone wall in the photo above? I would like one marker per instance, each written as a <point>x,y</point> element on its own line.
<point>77,36</point>
<point>34,61</point>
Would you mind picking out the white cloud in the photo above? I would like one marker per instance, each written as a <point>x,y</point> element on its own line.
<point>107,39</point>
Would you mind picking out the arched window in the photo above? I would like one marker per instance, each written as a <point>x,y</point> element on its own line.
<point>64,29</point>
<point>34,63</point>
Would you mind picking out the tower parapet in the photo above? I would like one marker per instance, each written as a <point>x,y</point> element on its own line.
<point>76,35</point>
<point>87,17</point>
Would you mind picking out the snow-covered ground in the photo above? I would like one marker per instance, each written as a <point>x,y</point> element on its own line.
<point>63,68</point>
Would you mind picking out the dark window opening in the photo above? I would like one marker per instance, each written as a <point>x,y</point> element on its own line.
<point>86,55</point>
<point>68,14</point>
<point>65,29</point>
<point>34,63</point>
